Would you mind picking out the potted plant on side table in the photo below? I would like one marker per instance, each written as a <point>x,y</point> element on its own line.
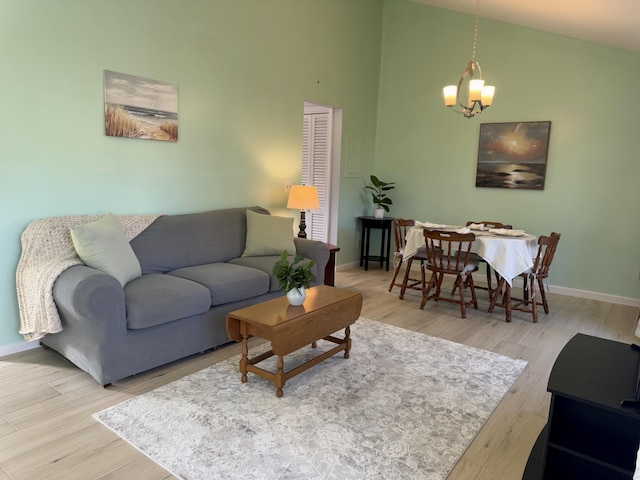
<point>378,192</point>
<point>294,277</point>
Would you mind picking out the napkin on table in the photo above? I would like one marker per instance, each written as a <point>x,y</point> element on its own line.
<point>507,231</point>
<point>429,225</point>
<point>476,226</point>
<point>463,230</point>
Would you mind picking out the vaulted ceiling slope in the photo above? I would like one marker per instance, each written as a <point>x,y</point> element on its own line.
<point>615,23</point>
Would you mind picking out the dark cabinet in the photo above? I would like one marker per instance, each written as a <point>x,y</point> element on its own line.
<point>589,434</point>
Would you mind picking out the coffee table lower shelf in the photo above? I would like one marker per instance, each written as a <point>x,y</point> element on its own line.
<point>280,377</point>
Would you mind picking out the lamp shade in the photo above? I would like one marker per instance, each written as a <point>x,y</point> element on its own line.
<point>303,197</point>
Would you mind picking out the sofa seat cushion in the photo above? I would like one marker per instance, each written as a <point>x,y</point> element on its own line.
<point>155,299</point>
<point>264,264</point>
<point>227,283</point>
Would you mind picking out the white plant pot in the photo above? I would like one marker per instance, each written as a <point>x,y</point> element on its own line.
<point>296,296</point>
<point>378,213</point>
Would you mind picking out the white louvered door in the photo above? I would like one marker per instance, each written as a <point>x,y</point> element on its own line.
<point>316,166</point>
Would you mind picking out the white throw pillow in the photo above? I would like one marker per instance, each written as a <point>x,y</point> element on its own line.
<point>268,235</point>
<point>103,245</point>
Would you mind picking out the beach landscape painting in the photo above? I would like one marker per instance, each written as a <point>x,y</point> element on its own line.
<point>137,107</point>
<point>513,155</point>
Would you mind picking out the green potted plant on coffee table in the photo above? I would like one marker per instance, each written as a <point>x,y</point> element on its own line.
<point>294,277</point>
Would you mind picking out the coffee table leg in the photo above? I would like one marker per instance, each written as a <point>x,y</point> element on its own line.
<point>347,338</point>
<point>243,360</point>
<point>279,378</point>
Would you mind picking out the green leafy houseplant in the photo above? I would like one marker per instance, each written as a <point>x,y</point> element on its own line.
<point>378,192</point>
<point>295,274</point>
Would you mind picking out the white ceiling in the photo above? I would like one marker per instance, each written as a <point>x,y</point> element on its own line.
<point>615,23</point>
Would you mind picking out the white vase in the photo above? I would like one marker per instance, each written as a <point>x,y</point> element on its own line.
<point>296,296</point>
<point>378,213</point>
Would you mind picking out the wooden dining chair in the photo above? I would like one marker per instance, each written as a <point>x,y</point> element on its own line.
<point>400,228</point>
<point>547,246</point>
<point>477,258</point>
<point>449,253</point>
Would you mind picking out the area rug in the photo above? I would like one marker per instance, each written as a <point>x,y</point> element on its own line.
<point>403,406</point>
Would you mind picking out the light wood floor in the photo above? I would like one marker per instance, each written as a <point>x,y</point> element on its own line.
<point>46,428</point>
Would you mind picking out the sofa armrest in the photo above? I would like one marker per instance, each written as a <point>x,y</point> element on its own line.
<point>90,300</point>
<point>315,250</point>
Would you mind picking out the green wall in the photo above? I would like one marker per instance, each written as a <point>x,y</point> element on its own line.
<point>587,91</point>
<point>244,69</point>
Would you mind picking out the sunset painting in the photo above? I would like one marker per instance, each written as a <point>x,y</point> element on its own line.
<point>137,107</point>
<point>513,155</point>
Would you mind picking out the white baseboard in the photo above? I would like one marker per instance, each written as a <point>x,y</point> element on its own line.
<point>17,348</point>
<point>571,292</point>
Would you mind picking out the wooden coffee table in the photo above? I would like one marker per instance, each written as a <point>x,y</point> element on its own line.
<point>325,311</point>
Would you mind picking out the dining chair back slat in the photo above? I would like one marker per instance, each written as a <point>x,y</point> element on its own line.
<point>449,253</point>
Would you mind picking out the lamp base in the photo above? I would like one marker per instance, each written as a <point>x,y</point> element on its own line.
<point>303,226</point>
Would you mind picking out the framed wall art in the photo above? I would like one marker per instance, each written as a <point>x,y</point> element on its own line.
<point>513,155</point>
<point>137,107</point>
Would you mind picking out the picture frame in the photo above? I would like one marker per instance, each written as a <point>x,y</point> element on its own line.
<point>513,155</point>
<point>137,107</point>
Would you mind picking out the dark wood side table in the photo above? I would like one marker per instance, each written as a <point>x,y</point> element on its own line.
<point>369,223</point>
<point>589,434</point>
<point>330,269</point>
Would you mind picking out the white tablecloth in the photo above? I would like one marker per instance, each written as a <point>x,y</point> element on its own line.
<point>509,256</point>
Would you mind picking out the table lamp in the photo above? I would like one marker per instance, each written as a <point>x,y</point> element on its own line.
<point>303,197</point>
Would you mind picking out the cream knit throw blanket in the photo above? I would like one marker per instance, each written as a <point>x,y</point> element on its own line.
<point>47,251</point>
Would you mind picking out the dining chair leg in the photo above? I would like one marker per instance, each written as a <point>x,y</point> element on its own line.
<point>425,295</point>
<point>474,297</point>
<point>395,274</point>
<point>439,285</point>
<point>460,283</point>
<point>534,303</point>
<point>496,294</point>
<point>489,289</point>
<point>543,295</point>
<point>406,278</point>
<point>507,302</point>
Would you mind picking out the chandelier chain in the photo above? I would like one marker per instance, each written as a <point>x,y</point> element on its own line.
<point>475,32</point>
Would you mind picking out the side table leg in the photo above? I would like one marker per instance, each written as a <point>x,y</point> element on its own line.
<point>384,232</point>
<point>243,360</point>
<point>366,253</point>
<point>362,244</point>
<point>279,378</point>
<point>388,247</point>
<point>347,339</point>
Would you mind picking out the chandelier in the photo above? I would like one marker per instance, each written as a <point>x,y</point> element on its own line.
<point>480,95</point>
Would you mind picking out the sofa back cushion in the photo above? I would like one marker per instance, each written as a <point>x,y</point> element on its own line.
<point>177,241</point>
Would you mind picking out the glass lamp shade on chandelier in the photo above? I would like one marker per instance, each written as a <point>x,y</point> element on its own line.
<point>480,95</point>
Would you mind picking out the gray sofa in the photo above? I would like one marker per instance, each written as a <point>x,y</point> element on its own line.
<point>193,274</point>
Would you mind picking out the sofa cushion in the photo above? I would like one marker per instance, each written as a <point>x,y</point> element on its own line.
<point>227,282</point>
<point>156,298</point>
<point>268,235</point>
<point>266,264</point>
<point>103,245</point>
<point>176,241</point>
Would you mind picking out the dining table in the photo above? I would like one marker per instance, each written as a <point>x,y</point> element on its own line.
<point>508,253</point>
